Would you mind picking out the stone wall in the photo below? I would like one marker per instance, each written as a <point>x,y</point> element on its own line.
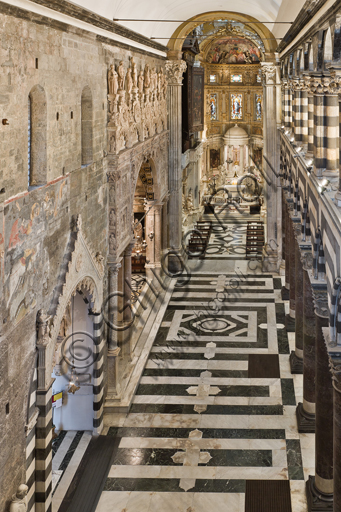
<point>35,222</point>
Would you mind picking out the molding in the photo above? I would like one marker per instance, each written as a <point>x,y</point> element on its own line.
<point>71,10</point>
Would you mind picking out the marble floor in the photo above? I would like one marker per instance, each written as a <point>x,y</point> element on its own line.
<point>199,426</point>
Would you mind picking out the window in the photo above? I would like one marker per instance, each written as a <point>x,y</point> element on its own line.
<point>213,107</point>
<point>236,106</point>
<point>237,78</point>
<point>37,137</point>
<point>86,126</point>
<point>213,78</point>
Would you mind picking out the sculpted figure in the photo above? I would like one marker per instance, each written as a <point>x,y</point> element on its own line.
<point>43,329</point>
<point>138,230</point>
<point>146,77</point>
<point>189,202</point>
<point>112,242</point>
<point>153,79</point>
<point>134,72</point>
<point>129,81</point>
<point>141,82</point>
<point>19,499</point>
<point>164,85</point>
<point>121,75</point>
<point>113,80</point>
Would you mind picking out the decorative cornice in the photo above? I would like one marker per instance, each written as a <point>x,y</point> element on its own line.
<point>174,71</point>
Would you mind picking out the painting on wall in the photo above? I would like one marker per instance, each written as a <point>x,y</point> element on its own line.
<point>214,158</point>
<point>236,106</point>
<point>198,100</point>
<point>259,108</point>
<point>233,50</point>
<point>213,107</point>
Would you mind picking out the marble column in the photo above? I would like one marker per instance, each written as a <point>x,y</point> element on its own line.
<point>306,412</point>
<point>335,367</point>
<point>297,110</point>
<point>150,238</point>
<point>174,73</point>
<point>272,192</point>
<point>310,94</point>
<point>286,287</point>
<point>332,130</point>
<point>290,319</point>
<point>319,128</point>
<point>127,312</point>
<point>296,356</point>
<point>319,487</point>
<point>304,116</point>
<point>158,234</point>
<point>241,158</point>
<point>113,348</point>
<point>334,107</point>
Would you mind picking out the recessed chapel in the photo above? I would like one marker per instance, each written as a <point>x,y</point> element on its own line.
<point>170,256</point>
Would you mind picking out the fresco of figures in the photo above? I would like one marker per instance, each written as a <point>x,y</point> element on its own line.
<point>233,50</point>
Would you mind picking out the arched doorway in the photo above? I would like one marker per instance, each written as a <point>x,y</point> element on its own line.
<point>73,372</point>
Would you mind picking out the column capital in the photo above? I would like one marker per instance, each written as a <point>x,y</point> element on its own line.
<point>129,249</point>
<point>114,267</point>
<point>174,71</point>
<point>268,73</point>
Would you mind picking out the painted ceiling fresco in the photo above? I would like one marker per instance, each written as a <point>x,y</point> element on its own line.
<point>233,50</point>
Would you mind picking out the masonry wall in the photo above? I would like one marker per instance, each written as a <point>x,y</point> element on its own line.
<point>35,223</point>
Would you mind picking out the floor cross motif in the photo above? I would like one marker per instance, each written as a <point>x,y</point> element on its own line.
<point>203,390</point>
<point>192,457</point>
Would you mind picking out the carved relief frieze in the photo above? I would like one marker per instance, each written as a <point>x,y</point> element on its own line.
<point>137,105</point>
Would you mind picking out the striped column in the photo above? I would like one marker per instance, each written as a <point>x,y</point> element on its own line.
<point>297,111</point>
<point>98,368</point>
<point>319,126</point>
<point>310,124</point>
<point>43,494</point>
<point>30,429</point>
<point>316,249</point>
<point>335,314</point>
<point>332,131</point>
<point>304,116</point>
<point>304,221</point>
<point>293,109</point>
<point>287,105</point>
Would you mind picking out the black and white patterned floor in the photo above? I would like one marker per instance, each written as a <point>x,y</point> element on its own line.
<point>210,413</point>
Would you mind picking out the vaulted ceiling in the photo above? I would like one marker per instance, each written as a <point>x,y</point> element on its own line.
<point>182,10</point>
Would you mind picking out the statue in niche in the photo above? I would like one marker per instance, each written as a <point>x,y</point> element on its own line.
<point>146,77</point>
<point>159,81</point>
<point>112,218</point>
<point>141,82</point>
<point>121,76</point>
<point>138,230</point>
<point>189,202</point>
<point>134,72</point>
<point>19,499</point>
<point>113,80</point>
<point>66,322</point>
<point>43,329</point>
<point>129,81</point>
<point>112,242</point>
<point>164,85</point>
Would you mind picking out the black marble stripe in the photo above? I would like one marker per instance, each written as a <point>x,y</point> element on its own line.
<point>168,353</point>
<point>294,458</point>
<point>288,392</point>
<point>178,372</point>
<point>58,441</point>
<point>181,390</point>
<point>163,457</point>
<point>207,433</point>
<point>30,436</point>
<point>172,485</point>
<point>69,454</point>
<point>248,410</point>
<point>41,497</point>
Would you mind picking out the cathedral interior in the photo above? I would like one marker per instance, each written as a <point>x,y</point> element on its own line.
<point>163,148</point>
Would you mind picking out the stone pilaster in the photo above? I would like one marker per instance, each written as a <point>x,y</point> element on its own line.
<point>335,367</point>
<point>174,73</point>
<point>113,348</point>
<point>273,194</point>
<point>335,128</point>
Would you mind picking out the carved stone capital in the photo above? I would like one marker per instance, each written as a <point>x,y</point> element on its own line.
<point>320,299</point>
<point>112,176</point>
<point>268,73</point>
<point>174,71</point>
<point>318,85</point>
<point>307,260</point>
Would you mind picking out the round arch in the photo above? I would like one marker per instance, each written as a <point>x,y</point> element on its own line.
<point>176,41</point>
